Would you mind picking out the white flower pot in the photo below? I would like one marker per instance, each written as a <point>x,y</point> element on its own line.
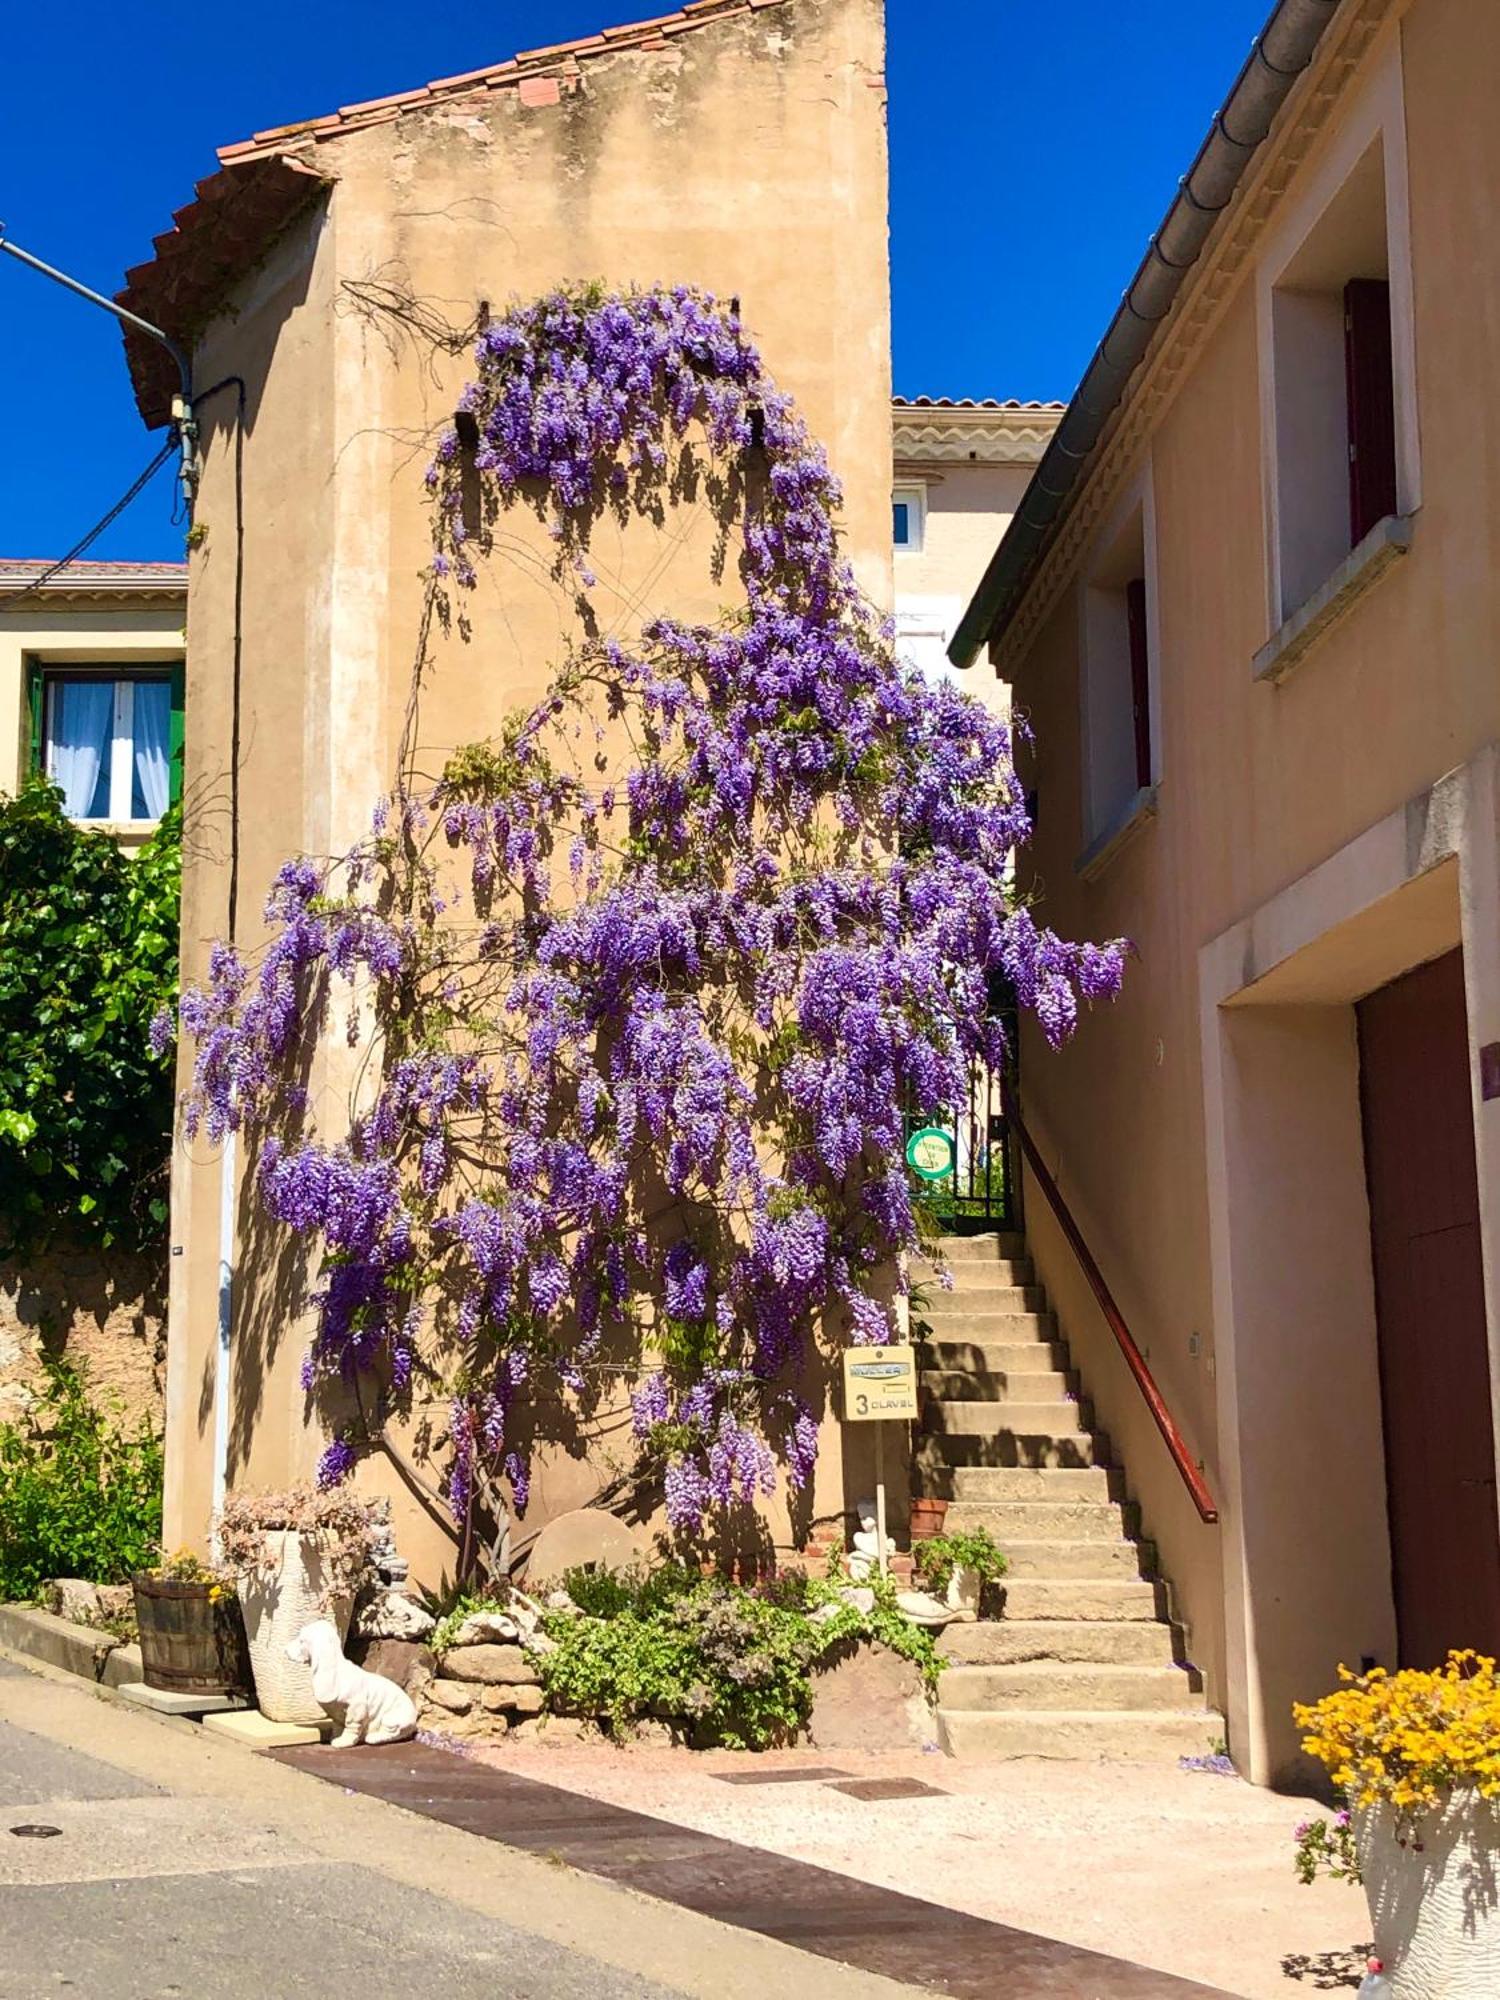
<point>278,1600</point>
<point>964,1588</point>
<point>1435,1902</point>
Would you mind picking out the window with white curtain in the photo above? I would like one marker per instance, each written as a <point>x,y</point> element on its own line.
<point>107,742</point>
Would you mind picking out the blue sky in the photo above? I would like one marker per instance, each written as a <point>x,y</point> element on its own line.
<point>1034,145</point>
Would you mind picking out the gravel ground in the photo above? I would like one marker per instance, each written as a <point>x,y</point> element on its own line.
<point>1183,1871</point>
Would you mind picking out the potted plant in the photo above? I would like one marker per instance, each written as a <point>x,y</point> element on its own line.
<point>191,1632</point>
<point>927,1517</point>
<point>297,1555</point>
<point>959,1566</point>
<point>1417,1758</point>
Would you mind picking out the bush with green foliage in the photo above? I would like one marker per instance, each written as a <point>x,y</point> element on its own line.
<point>726,1663</point>
<point>88,956</point>
<point>80,1494</point>
<point>940,1555</point>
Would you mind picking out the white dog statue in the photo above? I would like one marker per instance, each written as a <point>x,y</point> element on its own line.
<point>374,1709</point>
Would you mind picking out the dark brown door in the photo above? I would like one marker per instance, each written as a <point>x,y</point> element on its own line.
<point>1429,1303</point>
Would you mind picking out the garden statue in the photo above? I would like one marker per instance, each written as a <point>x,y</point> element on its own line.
<point>374,1709</point>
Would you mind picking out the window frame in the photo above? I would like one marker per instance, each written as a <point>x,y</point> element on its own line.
<point>913,493</point>
<point>1375,116</point>
<point>46,674</point>
<point>1105,825</point>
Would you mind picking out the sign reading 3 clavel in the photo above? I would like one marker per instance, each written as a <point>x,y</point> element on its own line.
<point>880,1383</point>
<point>931,1152</point>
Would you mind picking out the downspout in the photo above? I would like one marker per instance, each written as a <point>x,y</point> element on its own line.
<point>1278,56</point>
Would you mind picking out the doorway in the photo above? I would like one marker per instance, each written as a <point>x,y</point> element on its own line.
<point>1418,1123</point>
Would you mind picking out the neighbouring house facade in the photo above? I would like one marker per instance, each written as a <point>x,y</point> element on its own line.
<point>92,687</point>
<point>960,468</point>
<point>91,695</point>
<point>329,278</point>
<point>1253,611</point>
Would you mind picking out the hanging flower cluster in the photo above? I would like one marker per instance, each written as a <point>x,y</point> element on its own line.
<point>659,973</point>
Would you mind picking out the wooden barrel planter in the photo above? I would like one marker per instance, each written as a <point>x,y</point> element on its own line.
<point>191,1643</point>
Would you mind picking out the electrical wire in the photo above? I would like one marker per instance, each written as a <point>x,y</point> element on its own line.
<point>9,601</point>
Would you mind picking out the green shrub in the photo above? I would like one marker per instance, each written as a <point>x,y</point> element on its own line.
<point>937,1558</point>
<point>727,1664</point>
<point>88,955</point>
<point>79,1495</point>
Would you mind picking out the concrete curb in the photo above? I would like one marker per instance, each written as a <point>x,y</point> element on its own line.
<point>76,1649</point>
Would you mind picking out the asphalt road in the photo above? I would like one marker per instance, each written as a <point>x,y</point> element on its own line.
<point>148,1891</point>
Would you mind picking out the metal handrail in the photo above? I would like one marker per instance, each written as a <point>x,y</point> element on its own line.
<point>1135,1361</point>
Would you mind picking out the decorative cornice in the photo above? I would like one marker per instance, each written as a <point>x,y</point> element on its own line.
<point>987,436</point>
<point>1196,312</point>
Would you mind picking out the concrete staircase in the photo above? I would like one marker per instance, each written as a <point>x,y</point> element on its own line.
<point>1084,1662</point>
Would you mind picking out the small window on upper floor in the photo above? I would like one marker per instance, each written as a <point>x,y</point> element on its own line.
<point>111,741</point>
<point>1334,386</point>
<point>1118,677</point>
<point>908,518</point>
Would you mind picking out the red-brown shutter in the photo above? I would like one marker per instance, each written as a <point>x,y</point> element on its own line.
<point>1140,678</point>
<point>1372,405</point>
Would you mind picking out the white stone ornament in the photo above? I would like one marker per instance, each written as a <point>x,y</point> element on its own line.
<point>393,1615</point>
<point>374,1710</point>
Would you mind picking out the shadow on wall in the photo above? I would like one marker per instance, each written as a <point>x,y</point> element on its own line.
<point>103,1310</point>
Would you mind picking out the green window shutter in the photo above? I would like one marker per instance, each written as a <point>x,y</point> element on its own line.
<point>179,713</point>
<point>36,695</point>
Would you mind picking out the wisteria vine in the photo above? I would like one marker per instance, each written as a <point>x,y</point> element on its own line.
<point>653,978</point>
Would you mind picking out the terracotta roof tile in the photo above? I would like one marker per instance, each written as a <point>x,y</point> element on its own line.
<point>261,186</point>
<point>968,403</point>
<point>551,59</point>
<point>19,574</point>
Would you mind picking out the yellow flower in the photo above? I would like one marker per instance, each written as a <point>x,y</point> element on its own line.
<point>1409,1738</point>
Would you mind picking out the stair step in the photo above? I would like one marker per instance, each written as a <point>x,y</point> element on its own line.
<point>1086,1684</point>
<point>1052,1558</point>
<point>1047,1520</point>
<point>995,1357</point>
<point>969,1272</point>
<point>999,1385</point>
<point>997,1642</point>
<point>959,1323</point>
<point>1030,1451</point>
<point>1071,1600</point>
<point>968,1416</point>
<point>1001,1243</point>
<point>986,1293</point>
<point>1145,1737</point>
<point>1023,1482</point>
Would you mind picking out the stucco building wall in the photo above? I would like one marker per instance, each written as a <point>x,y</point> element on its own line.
<point>747,156</point>
<point>1306,846</point>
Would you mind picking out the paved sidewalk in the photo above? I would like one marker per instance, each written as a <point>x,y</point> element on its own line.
<point>835,1916</point>
<point>186,1866</point>
<point>1185,1871</point>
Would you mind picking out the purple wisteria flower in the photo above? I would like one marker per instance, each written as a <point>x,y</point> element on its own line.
<point>645,987</point>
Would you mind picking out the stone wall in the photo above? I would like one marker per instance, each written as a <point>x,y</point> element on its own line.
<point>104,1310</point>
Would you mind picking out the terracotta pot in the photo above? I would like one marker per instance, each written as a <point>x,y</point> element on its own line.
<point>1435,1897</point>
<point>927,1517</point>
<point>191,1643</point>
<point>278,1600</point>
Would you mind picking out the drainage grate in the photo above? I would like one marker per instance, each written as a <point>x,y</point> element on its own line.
<point>811,1774</point>
<point>889,1788</point>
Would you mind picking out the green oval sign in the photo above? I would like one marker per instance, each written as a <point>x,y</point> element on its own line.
<point>931,1152</point>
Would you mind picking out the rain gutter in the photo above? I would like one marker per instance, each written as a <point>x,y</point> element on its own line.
<point>1278,56</point>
